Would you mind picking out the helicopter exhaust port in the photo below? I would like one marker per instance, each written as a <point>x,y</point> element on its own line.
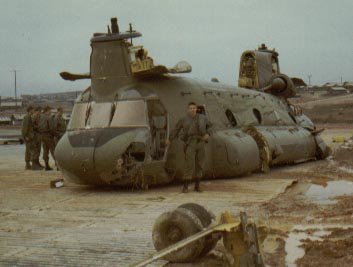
<point>114,25</point>
<point>280,85</point>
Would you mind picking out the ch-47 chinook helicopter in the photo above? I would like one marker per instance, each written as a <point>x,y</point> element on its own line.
<point>117,131</point>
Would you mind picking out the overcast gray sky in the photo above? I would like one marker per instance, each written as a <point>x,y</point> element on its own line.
<point>41,38</point>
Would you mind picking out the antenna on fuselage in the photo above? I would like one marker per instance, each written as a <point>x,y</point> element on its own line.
<point>130,30</point>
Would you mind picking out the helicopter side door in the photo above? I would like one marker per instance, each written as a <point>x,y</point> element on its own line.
<point>158,119</point>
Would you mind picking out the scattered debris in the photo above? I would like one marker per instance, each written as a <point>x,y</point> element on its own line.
<point>189,232</point>
<point>57,183</point>
<point>338,139</point>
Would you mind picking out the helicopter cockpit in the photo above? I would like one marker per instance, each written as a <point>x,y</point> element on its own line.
<point>129,112</point>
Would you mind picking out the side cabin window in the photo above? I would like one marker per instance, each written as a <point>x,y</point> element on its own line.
<point>130,113</point>
<point>158,119</point>
<point>257,115</point>
<point>230,116</point>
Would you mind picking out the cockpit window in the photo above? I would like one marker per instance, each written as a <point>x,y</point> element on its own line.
<point>130,113</point>
<point>78,118</point>
<point>99,115</point>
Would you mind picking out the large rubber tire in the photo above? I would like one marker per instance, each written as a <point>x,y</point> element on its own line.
<point>171,227</point>
<point>206,219</point>
<point>204,216</point>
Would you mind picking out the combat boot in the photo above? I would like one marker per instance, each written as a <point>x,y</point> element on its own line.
<point>36,166</point>
<point>185,187</point>
<point>47,167</point>
<point>197,187</point>
<point>28,165</point>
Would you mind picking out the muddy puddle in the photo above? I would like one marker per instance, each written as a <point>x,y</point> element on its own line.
<point>326,194</point>
<point>345,169</point>
<point>293,243</point>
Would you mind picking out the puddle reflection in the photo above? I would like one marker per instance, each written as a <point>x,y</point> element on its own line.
<point>323,195</point>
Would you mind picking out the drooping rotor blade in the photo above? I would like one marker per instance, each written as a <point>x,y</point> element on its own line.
<point>181,67</point>
<point>74,76</point>
<point>298,81</point>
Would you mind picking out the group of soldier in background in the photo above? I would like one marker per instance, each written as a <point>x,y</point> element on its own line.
<point>41,129</point>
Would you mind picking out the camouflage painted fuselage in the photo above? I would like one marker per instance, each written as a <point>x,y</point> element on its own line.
<point>118,126</point>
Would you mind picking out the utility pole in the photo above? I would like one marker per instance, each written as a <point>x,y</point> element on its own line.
<point>309,76</point>
<point>15,71</point>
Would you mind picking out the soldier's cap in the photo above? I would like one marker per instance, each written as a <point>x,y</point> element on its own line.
<point>29,108</point>
<point>38,109</point>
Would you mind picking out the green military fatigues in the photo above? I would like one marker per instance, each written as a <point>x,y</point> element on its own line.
<point>59,127</point>
<point>46,130</point>
<point>194,158</point>
<point>193,130</point>
<point>28,135</point>
<point>37,140</point>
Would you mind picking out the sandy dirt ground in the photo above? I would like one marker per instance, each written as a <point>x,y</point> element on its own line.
<point>326,109</point>
<point>308,208</point>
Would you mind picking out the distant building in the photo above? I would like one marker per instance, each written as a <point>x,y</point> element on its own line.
<point>331,84</point>
<point>65,100</point>
<point>337,90</point>
<point>348,86</point>
<point>17,119</point>
<point>62,96</point>
<point>5,120</point>
<point>10,103</point>
<point>313,89</point>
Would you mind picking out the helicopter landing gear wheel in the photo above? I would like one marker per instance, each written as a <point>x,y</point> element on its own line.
<point>173,226</point>
<point>206,219</point>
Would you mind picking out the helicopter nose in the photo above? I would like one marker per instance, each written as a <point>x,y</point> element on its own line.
<point>115,157</point>
<point>75,161</point>
<point>96,156</point>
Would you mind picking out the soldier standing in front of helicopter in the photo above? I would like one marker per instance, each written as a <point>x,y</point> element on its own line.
<point>37,140</point>
<point>195,135</point>
<point>28,135</point>
<point>46,130</point>
<point>59,125</point>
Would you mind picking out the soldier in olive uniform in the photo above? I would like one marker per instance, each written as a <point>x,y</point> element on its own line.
<point>46,130</point>
<point>195,134</point>
<point>59,125</point>
<point>27,134</point>
<point>37,140</point>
